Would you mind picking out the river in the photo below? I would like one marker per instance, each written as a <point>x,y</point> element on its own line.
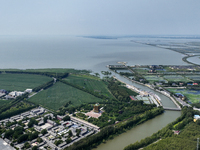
<point>147,128</point>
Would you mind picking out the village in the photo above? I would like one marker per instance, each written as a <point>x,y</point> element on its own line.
<point>52,132</point>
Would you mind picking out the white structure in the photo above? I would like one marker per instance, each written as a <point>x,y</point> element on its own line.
<point>16,93</point>
<point>28,90</point>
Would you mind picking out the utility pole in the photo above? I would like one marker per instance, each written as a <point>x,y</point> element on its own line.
<point>197,143</point>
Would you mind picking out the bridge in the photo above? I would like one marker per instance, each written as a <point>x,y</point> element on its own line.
<point>169,108</point>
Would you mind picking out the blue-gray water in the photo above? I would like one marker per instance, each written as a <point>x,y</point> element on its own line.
<point>77,52</point>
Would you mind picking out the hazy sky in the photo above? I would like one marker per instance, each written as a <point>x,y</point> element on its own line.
<point>99,17</point>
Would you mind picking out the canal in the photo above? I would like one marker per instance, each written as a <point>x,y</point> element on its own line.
<point>147,128</point>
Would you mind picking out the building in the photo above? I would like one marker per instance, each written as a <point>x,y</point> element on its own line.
<point>3,91</point>
<point>96,108</point>
<point>133,98</point>
<point>28,90</point>
<point>59,117</point>
<point>51,122</point>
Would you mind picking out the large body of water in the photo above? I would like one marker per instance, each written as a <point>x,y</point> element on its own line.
<point>80,53</point>
<point>94,54</point>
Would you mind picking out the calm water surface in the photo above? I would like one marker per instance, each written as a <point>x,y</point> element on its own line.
<point>80,53</point>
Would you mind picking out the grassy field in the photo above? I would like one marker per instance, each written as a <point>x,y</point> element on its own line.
<point>59,94</point>
<point>21,82</point>
<point>152,78</point>
<point>176,78</point>
<point>193,96</point>
<point>91,83</point>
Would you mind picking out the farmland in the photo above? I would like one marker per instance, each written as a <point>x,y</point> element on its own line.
<point>153,78</point>
<point>21,82</point>
<point>192,95</point>
<point>176,78</point>
<point>91,83</point>
<point>194,77</point>
<point>59,94</point>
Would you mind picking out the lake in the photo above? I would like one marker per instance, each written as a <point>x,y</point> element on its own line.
<point>78,52</point>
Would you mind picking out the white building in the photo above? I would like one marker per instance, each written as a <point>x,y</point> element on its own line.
<point>28,90</point>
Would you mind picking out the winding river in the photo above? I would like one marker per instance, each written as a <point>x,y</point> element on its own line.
<point>147,128</point>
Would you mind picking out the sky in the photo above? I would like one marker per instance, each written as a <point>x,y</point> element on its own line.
<point>99,17</point>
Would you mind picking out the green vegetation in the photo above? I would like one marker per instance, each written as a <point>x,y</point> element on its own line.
<point>167,140</point>
<point>59,94</point>
<point>194,77</point>
<point>18,108</point>
<point>90,83</point>
<point>176,78</point>
<point>21,82</point>
<point>154,78</point>
<point>192,95</point>
<point>2,102</point>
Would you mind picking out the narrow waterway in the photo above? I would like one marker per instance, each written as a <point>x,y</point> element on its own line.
<point>147,128</point>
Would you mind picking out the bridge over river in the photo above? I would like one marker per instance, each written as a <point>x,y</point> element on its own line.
<point>169,108</point>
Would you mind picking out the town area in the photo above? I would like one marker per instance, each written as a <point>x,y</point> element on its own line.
<point>42,129</point>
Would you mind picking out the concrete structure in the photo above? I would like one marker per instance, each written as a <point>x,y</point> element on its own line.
<point>96,108</point>
<point>28,90</point>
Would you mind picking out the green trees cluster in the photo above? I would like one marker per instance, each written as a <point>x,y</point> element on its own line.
<point>121,93</point>
<point>44,131</point>
<point>15,112</point>
<point>32,122</point>
<point>66,118</point>
<point>57,142</point>
<point>27,136</point>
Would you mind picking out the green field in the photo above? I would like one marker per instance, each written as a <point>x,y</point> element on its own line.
<point>152,78</point>
<point>21,82</point>
<point>91,83</point>
<point>59,94</point>
<point>176,78</point>
<point>141,70</point>
<point>193,96</point>
<point>194,77</point>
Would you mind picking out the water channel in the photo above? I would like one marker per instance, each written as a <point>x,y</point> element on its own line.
<point>147,128</point>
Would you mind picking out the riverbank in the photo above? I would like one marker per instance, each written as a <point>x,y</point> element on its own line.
<point>138,91</point>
